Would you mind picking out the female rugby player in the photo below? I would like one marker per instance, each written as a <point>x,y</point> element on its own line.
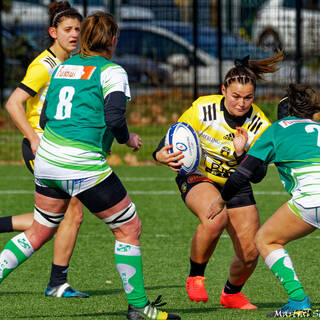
<point>215,118</point>
<point>84,110</point>
<point>292,144</point>
<point>64,30</point>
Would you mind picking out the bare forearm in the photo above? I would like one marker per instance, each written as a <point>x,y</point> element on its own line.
<point>18,115</point>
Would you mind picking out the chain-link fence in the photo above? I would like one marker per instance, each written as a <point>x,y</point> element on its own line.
<point>173,51</point>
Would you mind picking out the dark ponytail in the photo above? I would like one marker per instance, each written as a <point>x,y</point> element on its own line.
<point>247,71</point>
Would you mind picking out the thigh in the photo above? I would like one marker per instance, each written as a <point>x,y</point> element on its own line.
<point>108,194</point>
<point>74,212</point>
<point>50,212</point>
<point>282,227</point>
<point>198,200</point>
<point>53,205</point>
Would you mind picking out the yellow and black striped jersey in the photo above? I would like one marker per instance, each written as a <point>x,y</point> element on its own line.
<point>36,82</point>
<point>207,117</point>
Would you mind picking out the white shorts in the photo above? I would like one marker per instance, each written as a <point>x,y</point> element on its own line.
<point>309,215</point>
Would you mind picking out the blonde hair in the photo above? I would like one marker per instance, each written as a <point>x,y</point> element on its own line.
<point>97,31</point>
<point>246,71</point>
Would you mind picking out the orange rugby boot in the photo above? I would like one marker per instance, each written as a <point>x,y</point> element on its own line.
<point>236,301</point>
<point>196,289</point>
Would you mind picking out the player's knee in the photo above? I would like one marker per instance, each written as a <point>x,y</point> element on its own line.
<point>212,227</point>
<point>74,214</point>
<point>125,224</point>
<point>130,232</point>
<point>37,241</point>
<point>38,238</point>
<point>46,218</point>
<point>250,256</point>
<point>260,240</point>
<point>122,218</point>
<point>73,217</point>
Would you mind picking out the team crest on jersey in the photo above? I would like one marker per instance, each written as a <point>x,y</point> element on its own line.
<point>74,72</point>
<point>229,137</point>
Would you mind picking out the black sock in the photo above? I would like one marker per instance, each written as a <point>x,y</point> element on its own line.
<point>6,224</point>
<point>58,275</point>
<point>229,288</point>
<point>197,269</point>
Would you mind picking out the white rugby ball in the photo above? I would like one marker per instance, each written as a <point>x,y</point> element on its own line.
<point>184,138</point>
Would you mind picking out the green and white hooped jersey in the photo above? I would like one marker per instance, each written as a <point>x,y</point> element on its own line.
<point>76,139</point>
<point>293,145</point>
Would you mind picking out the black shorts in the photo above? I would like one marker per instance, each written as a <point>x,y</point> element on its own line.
<point>243,198</point>
<point>103,196</point>
<point>27,154</point>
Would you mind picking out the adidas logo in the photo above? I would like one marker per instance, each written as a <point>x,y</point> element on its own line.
<point>229,137</point>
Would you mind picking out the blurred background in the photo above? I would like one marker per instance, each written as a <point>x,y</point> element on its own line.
<point>173,52</point>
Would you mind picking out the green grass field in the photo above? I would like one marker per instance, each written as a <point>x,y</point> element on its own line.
<point>167,230</point>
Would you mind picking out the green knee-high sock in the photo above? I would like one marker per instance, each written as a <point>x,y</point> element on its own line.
<point>129,264</point>
<point>15,252</point>
<point>281,265</point>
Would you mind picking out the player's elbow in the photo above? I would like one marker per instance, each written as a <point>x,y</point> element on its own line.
<point>259,174</point>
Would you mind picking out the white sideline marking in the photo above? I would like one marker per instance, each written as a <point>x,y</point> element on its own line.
<point>137,192</point>
<point>152,235</point>
<point>122,178</point>
<point>147,179</point>
<point>159,192</point>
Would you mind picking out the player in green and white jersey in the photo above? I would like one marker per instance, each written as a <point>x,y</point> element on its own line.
<point>24,106</point>
<point>292,144</point>
<point>84,111</point>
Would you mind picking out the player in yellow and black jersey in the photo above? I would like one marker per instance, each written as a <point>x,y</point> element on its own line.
<point>217,129</point>
<point>64,31</point>
<point>227,125</point>
<point>35,84</point>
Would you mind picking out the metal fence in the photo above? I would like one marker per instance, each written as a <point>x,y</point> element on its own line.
<point>175,50</point>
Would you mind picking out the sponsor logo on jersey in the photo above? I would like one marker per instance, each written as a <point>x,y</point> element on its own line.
<point>209,138</point>
<point>197,178</point>
<point>229,137</point>
<point>225,151</point>
<point>288,123</point>
<point>74,72</point>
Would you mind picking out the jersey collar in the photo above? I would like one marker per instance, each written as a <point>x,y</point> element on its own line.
<point>51,52</point>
